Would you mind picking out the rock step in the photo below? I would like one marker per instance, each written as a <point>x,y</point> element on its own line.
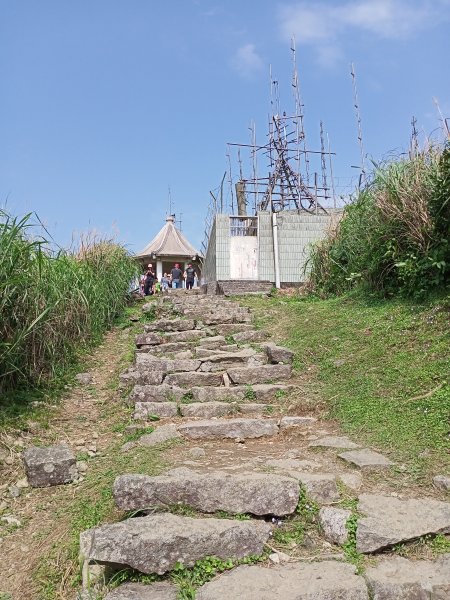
<point>259,374</point>
<point>254,493</point>
<point>165,393</point>
<point>229,428</point>
<point>204,410</point>
<point>328,580</point>
<point>170,325</point>
<point>155,544</point>
<point>160,590</point>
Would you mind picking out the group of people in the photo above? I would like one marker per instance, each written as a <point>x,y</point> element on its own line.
<point>149,283</point>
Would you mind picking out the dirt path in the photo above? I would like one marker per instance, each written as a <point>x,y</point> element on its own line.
<point>85,418</point>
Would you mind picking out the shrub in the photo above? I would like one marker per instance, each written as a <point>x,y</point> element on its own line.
<point>51,303</point>
<point>395,237</point>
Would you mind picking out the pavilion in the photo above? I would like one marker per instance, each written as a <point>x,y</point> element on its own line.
<point>168,247</point>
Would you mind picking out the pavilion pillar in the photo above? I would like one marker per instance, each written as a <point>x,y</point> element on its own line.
<point>159,269</point>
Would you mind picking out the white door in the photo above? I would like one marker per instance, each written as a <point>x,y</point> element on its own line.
<point>243,257</point>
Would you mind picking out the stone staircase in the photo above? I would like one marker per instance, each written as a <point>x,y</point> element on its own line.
<point>197,373</point>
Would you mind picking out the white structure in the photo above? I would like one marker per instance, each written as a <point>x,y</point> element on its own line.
<point>168,247</point>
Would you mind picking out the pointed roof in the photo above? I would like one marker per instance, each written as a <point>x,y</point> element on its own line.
<point>169,242</point>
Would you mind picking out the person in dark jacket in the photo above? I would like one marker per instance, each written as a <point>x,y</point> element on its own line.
<point>190,275</point>
<point>149,280</point>
<point>177,275</point>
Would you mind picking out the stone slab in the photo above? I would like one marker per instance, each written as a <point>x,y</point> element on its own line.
<point>271,391</point>
<point>327,580</point>
<point>206,410</point>
<point>148,339</point>
<point>165,365</point>
<point>287,422</point>
<point>332,521</point>
<point>259,374</point>
<point>442,483</point>
<point>163,433</point>
<point>389,520</point>
<point>232,328</point>
<point>212,394</point>
<point>278,354</point>
<point>155,544</point>
<point>212,342</point>
<point>397,578</point>
<point>155,393</point>
<point>144,410</point>
<point>331,441</point>
<point>320,487</point>
<point>250,408</point>
<point>258,494</point>
<point>160,590</point>
<point>229,428</point>
<point>193,379</point>
<point>366,459</point>
<point>183,336</point>
<point>170,325</point>
<point>250,336</point>
<point>140,377</point>
<point>53,465</point>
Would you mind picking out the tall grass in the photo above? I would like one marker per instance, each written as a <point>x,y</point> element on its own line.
<point>51,303</point>
<point>395,237</point>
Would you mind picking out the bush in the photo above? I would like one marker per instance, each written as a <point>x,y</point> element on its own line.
<point>395,237</point>
<point>53,303</point>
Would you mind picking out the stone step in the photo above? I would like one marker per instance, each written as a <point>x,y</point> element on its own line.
<point>155,544</point>
<point>191,335</point>
<point>166,365</point>
<point>260,392</point>
<point>134,376</point>
<point>327,580</point>
<point>148,339</point>
<point>254,493</point>
<point>259,374</point>
<point>168,348</point>
<point>145,410</point>
<point>366,459</point>
<point>207,410</point>
<point>388,521</point>
<point>212,342</point>
<point>278,354</point>
<point>167,325</point>
<point>156,393</point>
<point>229,428</point>
<point>159,590</point>
<point>232,328</point>
<point>397,578</point>
<point>251,336</point>
<point>195,379</point>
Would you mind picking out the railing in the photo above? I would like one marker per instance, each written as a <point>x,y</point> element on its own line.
<point>243,226</point>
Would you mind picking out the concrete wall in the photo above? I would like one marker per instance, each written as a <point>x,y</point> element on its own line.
<point>296,232</point>
<point>217,260</point>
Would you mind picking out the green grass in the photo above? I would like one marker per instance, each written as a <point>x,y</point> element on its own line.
<point>53,307</point>
<point>92,506</point>
<point>382,367</point>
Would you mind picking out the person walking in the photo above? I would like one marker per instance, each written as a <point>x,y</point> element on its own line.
<point>176,274</point>
<point>190,275</point>
<point>149,280</point>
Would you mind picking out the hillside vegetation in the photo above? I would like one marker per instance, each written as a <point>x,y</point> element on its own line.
<point>380,367</point>
<point>53,304</point>
<point>394,239</point>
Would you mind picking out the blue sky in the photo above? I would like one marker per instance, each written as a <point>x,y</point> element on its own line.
<point>106,103</point>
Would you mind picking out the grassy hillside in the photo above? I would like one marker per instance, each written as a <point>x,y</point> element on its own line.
<point>52,304</point>
<point>394,239</point>
<point>381,368</point>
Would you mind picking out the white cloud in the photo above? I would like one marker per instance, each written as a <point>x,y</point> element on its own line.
<point>247,61</point>
<point>324,25</point>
